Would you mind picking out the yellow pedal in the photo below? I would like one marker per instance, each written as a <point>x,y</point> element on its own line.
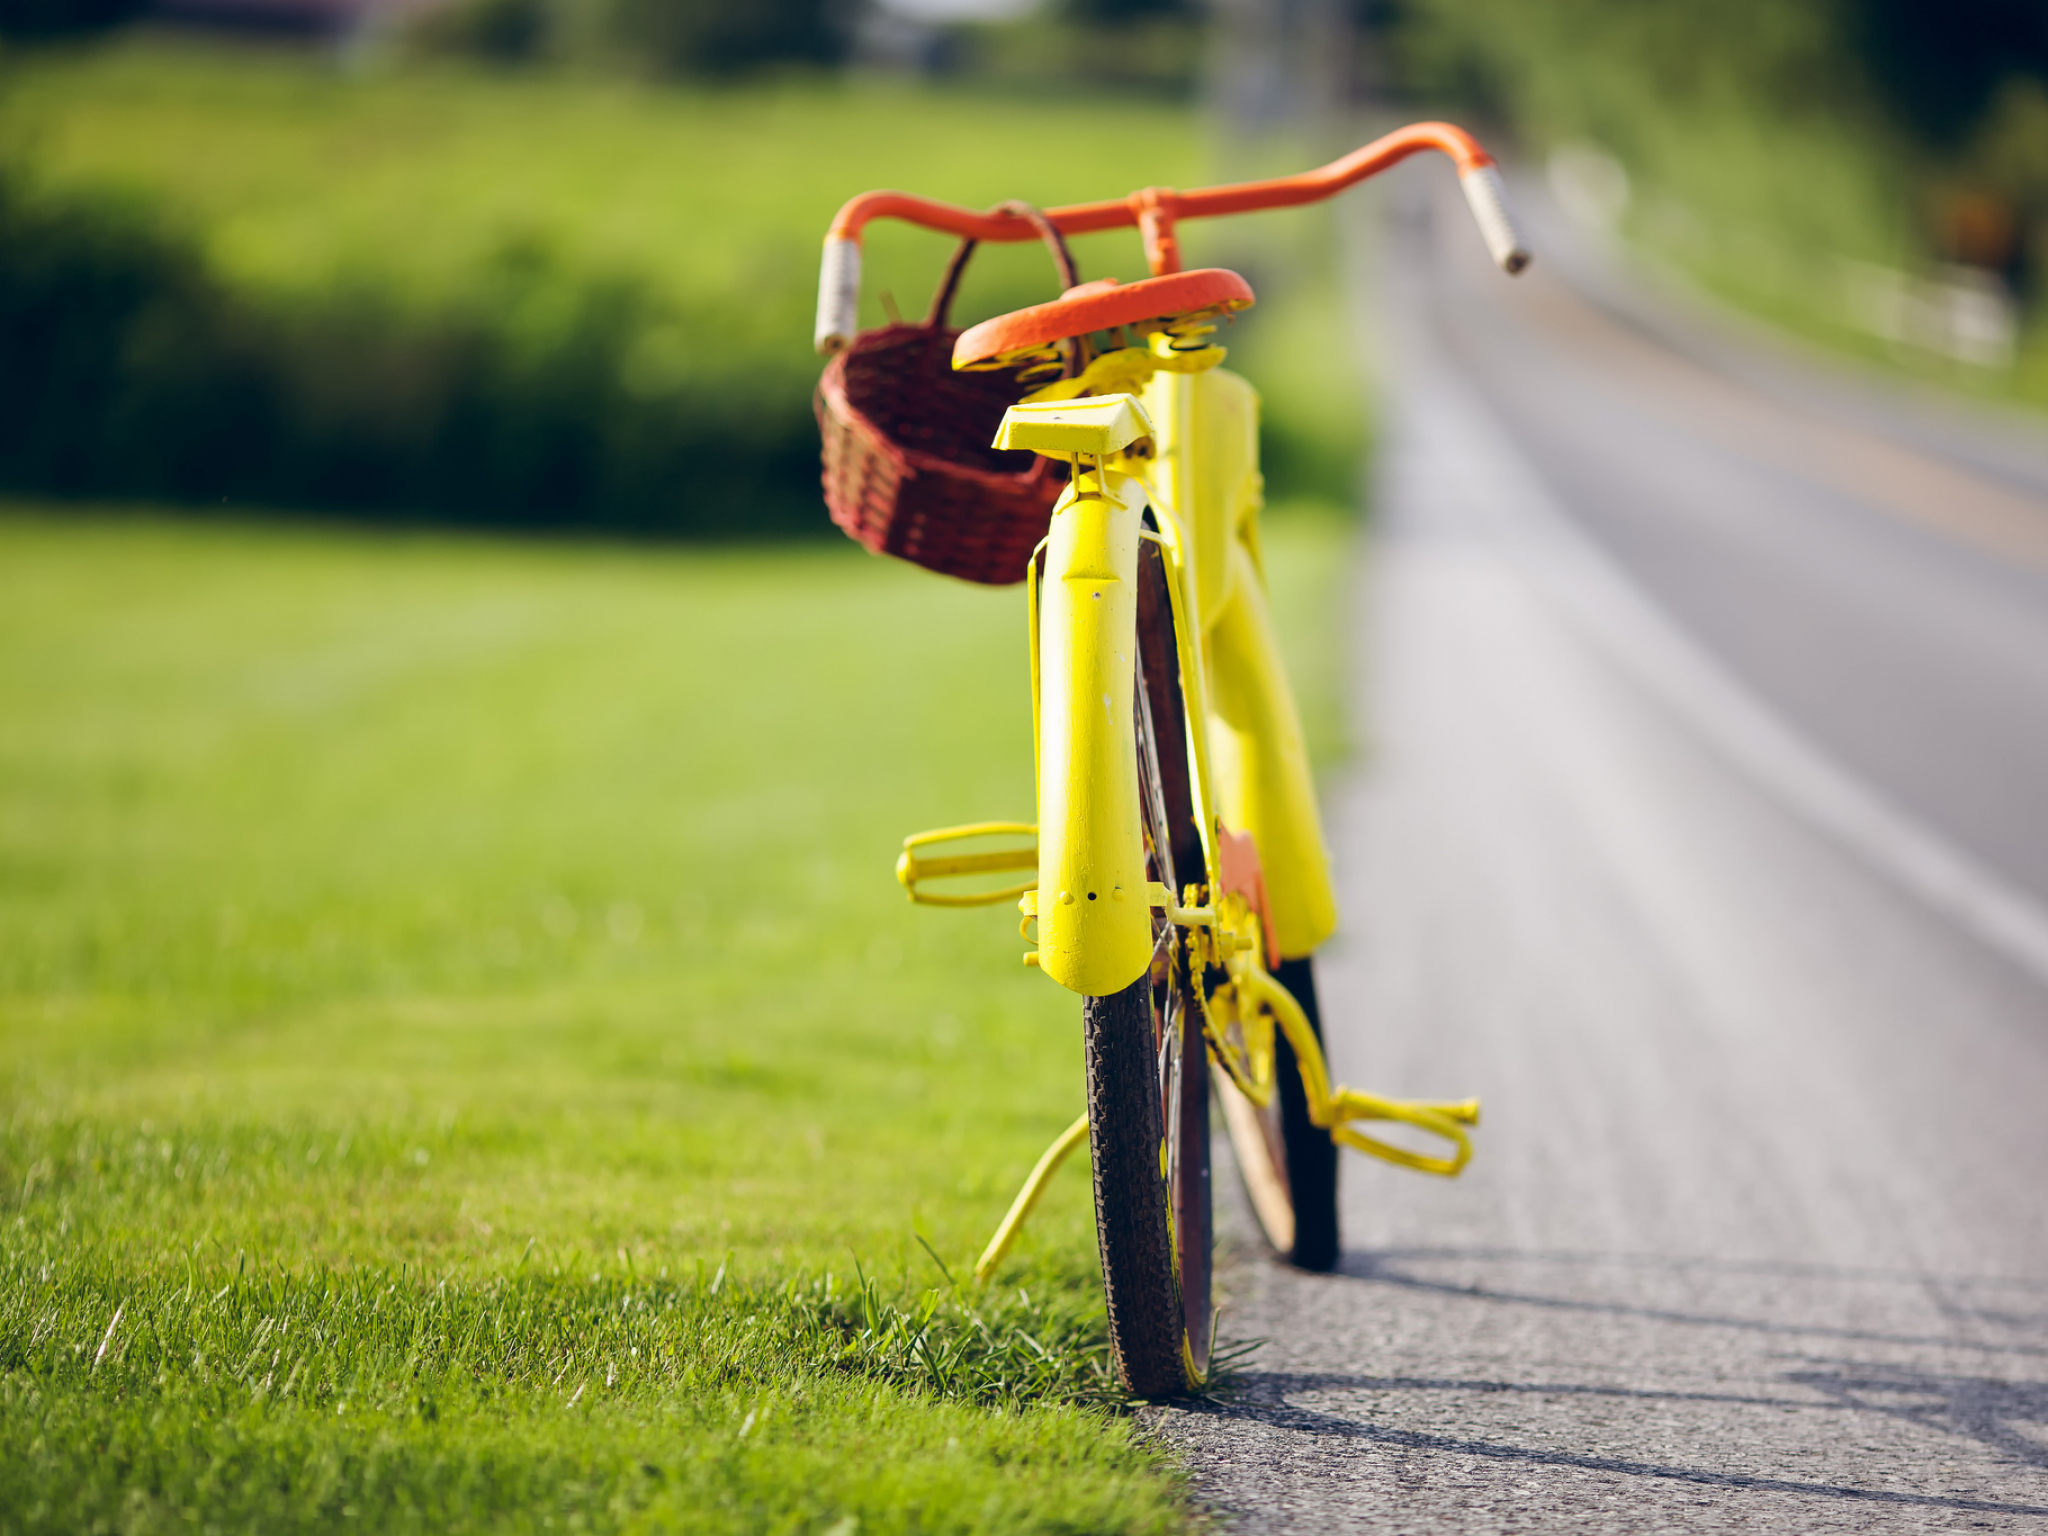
<point>917,864</point>
<point>1437,1117</point>
<point>1464,1111</point>
<point>1338,1110</point>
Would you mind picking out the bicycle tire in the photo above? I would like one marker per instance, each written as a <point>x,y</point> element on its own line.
<point>1148,1097</point>
<point>1287,1163</point>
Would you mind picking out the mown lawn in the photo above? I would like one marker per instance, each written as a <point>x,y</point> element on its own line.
<point>464,1062</point>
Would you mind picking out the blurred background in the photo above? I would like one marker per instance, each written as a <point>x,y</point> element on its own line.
<point>549,263</point>
<point>387,890</point>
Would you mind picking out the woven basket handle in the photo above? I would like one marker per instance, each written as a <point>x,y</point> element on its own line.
<point>1070,276</point>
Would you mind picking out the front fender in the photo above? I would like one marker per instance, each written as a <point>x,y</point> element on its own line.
<point>1094,926</point>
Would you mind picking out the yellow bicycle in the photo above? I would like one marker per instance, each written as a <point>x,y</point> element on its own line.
<point>1176,874</point>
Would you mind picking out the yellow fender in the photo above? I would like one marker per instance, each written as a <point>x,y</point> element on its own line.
<point>1094,927</point>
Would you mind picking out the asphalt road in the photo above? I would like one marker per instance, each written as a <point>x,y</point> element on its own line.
<point>1703,830</point>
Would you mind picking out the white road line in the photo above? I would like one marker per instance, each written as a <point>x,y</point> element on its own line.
<point>1465,441</point>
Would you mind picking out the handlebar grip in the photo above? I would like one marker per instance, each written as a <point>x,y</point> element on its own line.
<point>1488,196</point>
<point>838,296</point>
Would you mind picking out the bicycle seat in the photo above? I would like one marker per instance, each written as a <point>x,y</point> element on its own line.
<point>1099,306</point>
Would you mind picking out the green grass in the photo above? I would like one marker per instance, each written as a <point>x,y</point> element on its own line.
<point>455,1008</point>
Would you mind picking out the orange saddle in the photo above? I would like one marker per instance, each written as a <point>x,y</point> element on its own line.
<point>1100,306</point>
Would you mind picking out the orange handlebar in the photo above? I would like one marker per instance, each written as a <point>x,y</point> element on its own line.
<point>1155,210</point>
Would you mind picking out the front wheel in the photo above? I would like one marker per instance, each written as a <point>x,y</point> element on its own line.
<point>1148,1128</point>
<point>1148,1088</point>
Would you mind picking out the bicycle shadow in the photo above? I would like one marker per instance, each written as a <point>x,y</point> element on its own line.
<point>2008,1418</point>
<point>1985,1409</point>
<point>1395,1268</point>
<point>1982,1409</point>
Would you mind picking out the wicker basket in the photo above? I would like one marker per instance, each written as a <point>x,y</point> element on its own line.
<point>908,466</point>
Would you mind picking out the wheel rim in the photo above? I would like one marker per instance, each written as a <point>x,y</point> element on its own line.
<point>1184,1127</point>
<point>1260,1145</point>
<point>1178,1045</point>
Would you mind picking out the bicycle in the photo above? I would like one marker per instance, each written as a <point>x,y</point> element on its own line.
<point>1177,876</point>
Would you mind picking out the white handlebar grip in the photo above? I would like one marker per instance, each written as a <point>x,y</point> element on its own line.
<point>838,296</point>
<point>1488,195</point>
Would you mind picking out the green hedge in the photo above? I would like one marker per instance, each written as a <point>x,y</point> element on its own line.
<point>135,373</point>
<point>132,372</point>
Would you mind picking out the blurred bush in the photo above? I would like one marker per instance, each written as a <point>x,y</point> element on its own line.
<point>133,372</point>
<point>1154,48</point>
<point>532,298</point>
<point>1792,153</point>
<point>539,297</point>
<point>666,38</point>
<point>1744,110</point>
<point>1877,127</point>
<point>35,20</point>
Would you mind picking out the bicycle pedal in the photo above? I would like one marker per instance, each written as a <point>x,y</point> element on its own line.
<point>1464,1111</point>
<point>915,865</point>
<point>1438,1117</point>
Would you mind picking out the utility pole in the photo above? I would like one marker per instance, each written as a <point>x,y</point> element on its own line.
<point>1279,93</point>
<point>1279,69</point>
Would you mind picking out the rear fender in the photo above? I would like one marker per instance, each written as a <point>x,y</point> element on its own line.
<point>1260,760</point>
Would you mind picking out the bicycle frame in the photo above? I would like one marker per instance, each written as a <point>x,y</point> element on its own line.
<point>1161,427</point>
<point>1092,919</point>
